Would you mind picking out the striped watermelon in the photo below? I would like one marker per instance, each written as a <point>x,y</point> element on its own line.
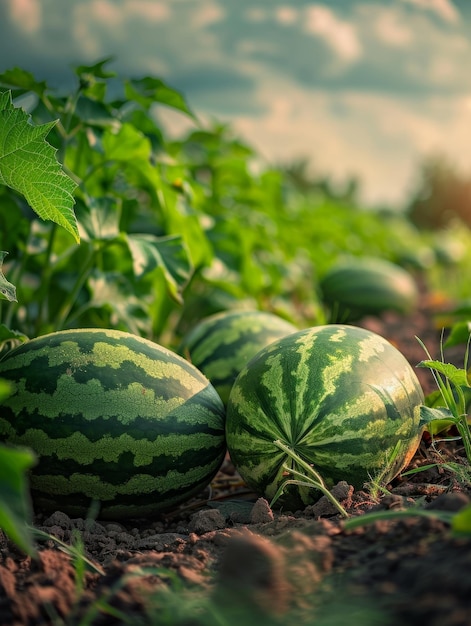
<point>342,397</point>
<point>113,417</point>
<point>367,286</point>
<point>221,344</point>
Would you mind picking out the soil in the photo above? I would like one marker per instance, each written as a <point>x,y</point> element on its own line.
<point>229,559</point>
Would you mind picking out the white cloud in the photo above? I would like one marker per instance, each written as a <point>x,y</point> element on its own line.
<point>88,22</point>
<point>286,15</point>
<point>444,8</point>
<point>339,34</point>
<point>153,11</point>
<point>206,14</point>
<point>106,12</point>
<point>27,14</point>
<point>393,29</point>
<point>378,138</point>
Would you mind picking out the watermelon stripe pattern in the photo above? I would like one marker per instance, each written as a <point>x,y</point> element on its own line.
<point>366,286</point>
<point>221,344</point>
<point>342,397</point>
<point>113,417</point>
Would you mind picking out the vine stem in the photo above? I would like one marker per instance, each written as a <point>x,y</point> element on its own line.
<point>312,478</point>
<point>72,296</point>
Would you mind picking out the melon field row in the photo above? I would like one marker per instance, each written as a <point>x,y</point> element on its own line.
<point>110,229</point>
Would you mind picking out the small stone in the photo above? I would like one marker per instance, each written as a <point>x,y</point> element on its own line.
<point>115,527</point>
<point>261,512</point>
<point>449,502</point>
<point>205,521</point>
<point>59,519</point>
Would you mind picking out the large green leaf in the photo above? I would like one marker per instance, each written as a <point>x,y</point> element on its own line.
<point>111,293</point>
<point>28,165</point>
<point>99,219</point>
<point>169,253</point>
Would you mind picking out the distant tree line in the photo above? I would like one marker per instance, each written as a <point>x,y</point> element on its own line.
<point>443,195</point>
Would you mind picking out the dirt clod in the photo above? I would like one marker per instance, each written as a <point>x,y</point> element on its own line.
<point>235,557</point>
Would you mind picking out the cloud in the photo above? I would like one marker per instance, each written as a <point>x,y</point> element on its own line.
<point>339,34</point>
<point>26,14</point>
<point>443,8</point>
<point>152,11</point>
<point>286,15</point>
<point>206,14</point>
<point>363,87</point>
<point>393,29</point>
<point>376,137</point>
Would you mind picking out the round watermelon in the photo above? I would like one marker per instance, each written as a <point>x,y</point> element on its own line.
<point>113,418</point>
<point>343,398</point>
<point>367,286</point>
<point>221,344</point>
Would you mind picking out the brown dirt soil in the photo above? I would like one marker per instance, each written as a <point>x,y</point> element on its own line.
<point>230,559</point>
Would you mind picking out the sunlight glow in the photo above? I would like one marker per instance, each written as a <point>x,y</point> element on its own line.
<point>27,14</point>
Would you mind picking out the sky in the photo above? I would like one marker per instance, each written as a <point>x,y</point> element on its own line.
<point>364,88</point>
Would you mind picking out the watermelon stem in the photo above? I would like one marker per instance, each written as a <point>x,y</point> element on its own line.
<point>311,478</point>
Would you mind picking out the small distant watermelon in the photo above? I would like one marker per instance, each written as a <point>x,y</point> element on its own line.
<point>112,417</point>
<point>221,344</point>
<point>367,286</point>
<point>343,398</point>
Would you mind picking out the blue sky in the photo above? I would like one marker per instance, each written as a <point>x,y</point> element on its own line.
<point>361,87</point>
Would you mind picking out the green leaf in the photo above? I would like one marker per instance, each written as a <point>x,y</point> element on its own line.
<point>7,290</point>
<point>457,376</point>
<point>96,70</point>
<point>147,91</point>
<point>169,253</point>
<point>15,505</point>
<point>111,291</point>
<point>436,419</point>
<point>128,144</point>
<point>434,399</point>
<point>6,334</point>
<point>459,334</point>
<point>28,165</point>
<point>21,79</point>
<point>99,219</point>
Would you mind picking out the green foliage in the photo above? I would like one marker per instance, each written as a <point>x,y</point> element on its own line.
<point>28,165</point>
<point>7,290</point>
<point>170,231</point>
<point>15,505</point>
<point>156,234</point>
<point>452,383</point>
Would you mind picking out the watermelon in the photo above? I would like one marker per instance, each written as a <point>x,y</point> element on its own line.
<point>221,344</point>
<point>342,397</point>
<point>113,418</point>
<point>367,286</point>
